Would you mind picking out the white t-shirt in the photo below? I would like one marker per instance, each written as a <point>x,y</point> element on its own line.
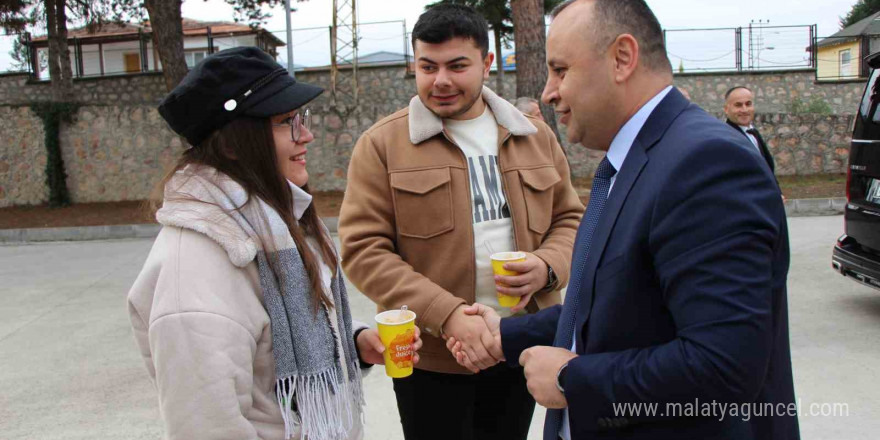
<point>478,140</point>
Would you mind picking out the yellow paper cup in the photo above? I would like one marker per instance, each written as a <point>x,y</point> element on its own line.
<point>498,260</point>
<point>397,332</point>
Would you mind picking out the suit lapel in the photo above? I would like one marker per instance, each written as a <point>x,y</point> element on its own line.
<point>761,144</point>
<point>653,130</point>
<point>765,151</point>
<point>734,125</point>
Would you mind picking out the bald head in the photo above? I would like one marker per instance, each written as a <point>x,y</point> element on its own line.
<point>604,20</point>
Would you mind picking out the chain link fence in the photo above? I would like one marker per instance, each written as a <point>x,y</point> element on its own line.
<point>752,48</point>
<point>742,49</point>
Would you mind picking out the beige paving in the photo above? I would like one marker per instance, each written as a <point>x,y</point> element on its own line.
<point>69,368</point>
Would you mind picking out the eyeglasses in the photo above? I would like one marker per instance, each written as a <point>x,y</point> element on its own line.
<point>299,121</point>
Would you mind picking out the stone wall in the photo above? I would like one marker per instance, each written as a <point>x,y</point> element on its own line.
<point>119,147</point>
<point>807,144</point>
<point>774,90</point>
<point>141,88</point>
<point>114,153</point>
<point>22,158</point>
<point>111,153</point>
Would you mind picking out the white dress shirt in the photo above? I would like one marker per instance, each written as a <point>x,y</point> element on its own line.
<point>751,136</point>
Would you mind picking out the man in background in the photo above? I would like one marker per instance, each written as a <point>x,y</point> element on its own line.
<point>529,106</point>
<point>739,106</point>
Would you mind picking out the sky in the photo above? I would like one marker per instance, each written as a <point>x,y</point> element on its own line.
<point>693,49</point>
<point>702,49</point>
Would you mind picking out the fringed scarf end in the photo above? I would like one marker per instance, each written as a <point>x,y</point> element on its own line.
<point>327,408</point>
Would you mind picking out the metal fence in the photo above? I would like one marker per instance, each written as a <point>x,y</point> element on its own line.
<point>751,48</point>
<point>379,43</point>
<point>739,49</point>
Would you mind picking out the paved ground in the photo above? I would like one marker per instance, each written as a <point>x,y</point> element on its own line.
<point>69,369</point>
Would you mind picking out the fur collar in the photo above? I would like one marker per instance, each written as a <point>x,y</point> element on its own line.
<point>424,124</point>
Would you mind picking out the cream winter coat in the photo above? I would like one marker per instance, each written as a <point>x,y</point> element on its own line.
<point>198,317</point>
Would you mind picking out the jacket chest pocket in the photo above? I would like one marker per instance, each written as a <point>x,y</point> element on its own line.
<point>422,202</point>
<point>538,192</point>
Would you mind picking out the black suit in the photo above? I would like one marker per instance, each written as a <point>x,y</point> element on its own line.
<point>761,145</point>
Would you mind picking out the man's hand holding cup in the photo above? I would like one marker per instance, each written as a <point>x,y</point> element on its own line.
<point>520,277</point>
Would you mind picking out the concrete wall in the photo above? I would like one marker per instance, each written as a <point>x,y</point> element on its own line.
<point>119,146</point>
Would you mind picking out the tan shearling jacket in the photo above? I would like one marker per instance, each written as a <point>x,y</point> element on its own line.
<point>406,221</point>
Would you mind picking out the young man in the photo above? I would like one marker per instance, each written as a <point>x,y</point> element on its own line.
<point>431,189</point>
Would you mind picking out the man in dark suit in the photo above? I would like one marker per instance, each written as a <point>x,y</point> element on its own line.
<point>739,106</point>
<point>675,323</point>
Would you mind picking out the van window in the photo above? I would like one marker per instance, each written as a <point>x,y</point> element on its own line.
<point>869,90</point>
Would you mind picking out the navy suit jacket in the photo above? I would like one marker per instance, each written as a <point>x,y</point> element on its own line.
<point>683,296</point>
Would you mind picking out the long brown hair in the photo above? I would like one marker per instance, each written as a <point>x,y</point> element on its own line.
<point>244,150</point>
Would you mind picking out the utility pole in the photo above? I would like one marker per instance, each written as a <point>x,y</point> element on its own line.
<point>756,42</point>
<point>288,12</point>
<point>344,53</point>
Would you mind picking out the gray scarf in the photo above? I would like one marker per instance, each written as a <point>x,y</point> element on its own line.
<point>326,389</point>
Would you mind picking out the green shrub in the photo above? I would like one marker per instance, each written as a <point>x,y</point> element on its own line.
<point>816,105</point>
<point>53,114</point>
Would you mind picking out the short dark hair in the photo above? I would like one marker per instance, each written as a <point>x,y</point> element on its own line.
<point>615,17</point>
<point>444,22</point>
<point>732,89</point>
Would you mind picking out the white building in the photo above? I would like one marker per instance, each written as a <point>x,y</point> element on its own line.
<point>128,48</point>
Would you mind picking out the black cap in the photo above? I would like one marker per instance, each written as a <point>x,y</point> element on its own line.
<point>229,84</point>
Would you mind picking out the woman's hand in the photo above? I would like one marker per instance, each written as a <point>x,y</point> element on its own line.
<point>370,346</point>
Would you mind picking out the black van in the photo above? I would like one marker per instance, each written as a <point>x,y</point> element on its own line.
<point>857,252</point>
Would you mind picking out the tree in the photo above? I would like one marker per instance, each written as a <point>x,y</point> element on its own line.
<point>530,37</point>
<point>21,57</point>
<point>500,17</point>
<point>166,22</point>
<point>60,71</point>
<point>14,15</point>
<point>860,10</point>
<point>18,15</point>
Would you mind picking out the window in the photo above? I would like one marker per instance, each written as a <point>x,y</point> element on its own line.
<point>132,62</point>
<point>845,58</point>
<point>865,107</point>
<point>194,57</point>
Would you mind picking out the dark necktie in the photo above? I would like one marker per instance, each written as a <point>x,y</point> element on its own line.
<point>565,327</point>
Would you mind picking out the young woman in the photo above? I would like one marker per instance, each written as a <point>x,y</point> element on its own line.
<point>240,311</point>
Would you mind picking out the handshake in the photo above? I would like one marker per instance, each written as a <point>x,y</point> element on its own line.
<point>473,336</point>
